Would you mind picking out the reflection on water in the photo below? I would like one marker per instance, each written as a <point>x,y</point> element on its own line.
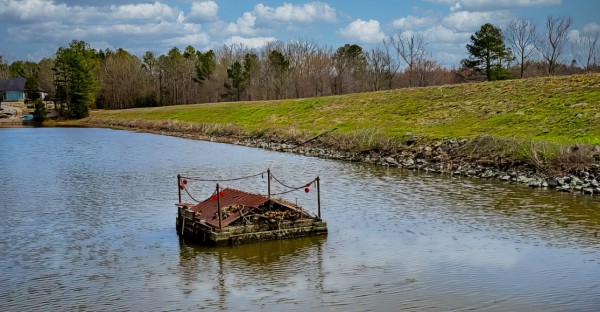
<point>284,267</point>
<point>88,224</point>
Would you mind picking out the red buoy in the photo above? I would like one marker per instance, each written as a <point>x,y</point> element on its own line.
<point>181,187</point>
<point>214,197</point>
<point>221,194</point>
<point>306,189</point>
<point>184,181</point>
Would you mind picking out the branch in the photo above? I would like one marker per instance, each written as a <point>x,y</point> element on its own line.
<point>318,135</point>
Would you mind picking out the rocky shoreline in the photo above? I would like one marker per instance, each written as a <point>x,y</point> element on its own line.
<point>436,159</point>
<point>443,157</point>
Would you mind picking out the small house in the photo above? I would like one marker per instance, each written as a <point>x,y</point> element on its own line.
<point>12,90</point>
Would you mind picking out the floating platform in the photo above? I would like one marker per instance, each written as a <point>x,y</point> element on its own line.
<point>230,216</point>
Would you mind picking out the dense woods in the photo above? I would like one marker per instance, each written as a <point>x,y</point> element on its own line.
<point>293,69</point>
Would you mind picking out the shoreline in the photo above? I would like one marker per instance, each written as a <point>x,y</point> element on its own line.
<point>442,157</point>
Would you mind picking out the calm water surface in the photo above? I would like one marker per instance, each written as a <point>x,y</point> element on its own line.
<point>87,223</point>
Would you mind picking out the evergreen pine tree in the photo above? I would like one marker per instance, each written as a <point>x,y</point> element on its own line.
<point>488,52</point>
<point>75,82</point>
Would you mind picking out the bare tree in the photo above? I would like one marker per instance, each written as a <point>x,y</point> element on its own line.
<point>46,76</point>
<point>279,70</point>
<point>378,63</point>
<point>4,73</point>
<point>298,52</point>
<point>585,49</point>
<point>522,36</point>
<point>321,72</point>
<point>552,45</point>
<point>350,65</point>
<point>411,48</point>
<point>123,82</point>
<point>428,73</point>
<point>392,63</point>
<point>154,76</point>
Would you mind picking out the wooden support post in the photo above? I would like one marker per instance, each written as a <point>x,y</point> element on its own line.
<point>219,205</point>
<point>319,197</point>
<point>179,186</point>
<point>269,183</point>
<point>183,224</point>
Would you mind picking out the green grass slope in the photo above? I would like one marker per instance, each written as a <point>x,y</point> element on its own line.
<point>563,109</point>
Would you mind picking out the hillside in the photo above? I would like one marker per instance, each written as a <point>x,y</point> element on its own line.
<point>563,110</point>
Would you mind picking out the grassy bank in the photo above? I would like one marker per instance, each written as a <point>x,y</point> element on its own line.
<point>562,109</point>
<point>535,120</point>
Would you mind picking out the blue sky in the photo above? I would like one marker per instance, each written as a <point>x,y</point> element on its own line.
<point>33,29</point>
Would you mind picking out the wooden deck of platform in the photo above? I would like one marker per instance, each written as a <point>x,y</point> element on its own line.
<point>231,216</point>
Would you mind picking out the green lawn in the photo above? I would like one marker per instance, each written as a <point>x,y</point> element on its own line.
<point>563,109</point>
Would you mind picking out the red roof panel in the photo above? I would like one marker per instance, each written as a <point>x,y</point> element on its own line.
<point>207,209</point>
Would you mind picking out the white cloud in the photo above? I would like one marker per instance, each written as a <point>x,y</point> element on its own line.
<point>264,19</point>
<point>476,5</point>
<point>192,39</point>
<point>491,5</point>
<point>143,12</point>
<point>202,12</point>
<point>446,35</point>
<point>412,22</point>
<point>251,43</point>
<point>591,28</point>
<point>93,3</point>
<point>448,2</point>
<point>574,36</point>
<point>472,21</point>
<point>582,37</point>
<point>29,11</point>
<point>245,25</point>
<point>314,12</point>
<point>135,27</point>
<point>36,11</point>
<point>363,31</point>
<point>450,56</point>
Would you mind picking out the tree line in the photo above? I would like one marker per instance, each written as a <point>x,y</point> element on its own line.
<point>492,51</point>
<point>79,77</point>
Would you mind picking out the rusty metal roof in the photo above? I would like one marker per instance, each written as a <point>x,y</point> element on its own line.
<point>207,209</point>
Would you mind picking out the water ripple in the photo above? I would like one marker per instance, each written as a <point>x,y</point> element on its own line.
<point>88,224</point>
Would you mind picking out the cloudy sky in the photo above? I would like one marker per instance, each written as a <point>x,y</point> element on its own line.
<point>33,29</point>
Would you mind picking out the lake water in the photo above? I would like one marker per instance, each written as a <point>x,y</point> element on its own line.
<point>88,223</point>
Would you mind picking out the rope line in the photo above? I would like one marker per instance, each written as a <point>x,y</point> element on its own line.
<point>190,195</point>
<point>225,180</point>
<point>288,191</point>
<point>292,187</point>
<point>277,180</point>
